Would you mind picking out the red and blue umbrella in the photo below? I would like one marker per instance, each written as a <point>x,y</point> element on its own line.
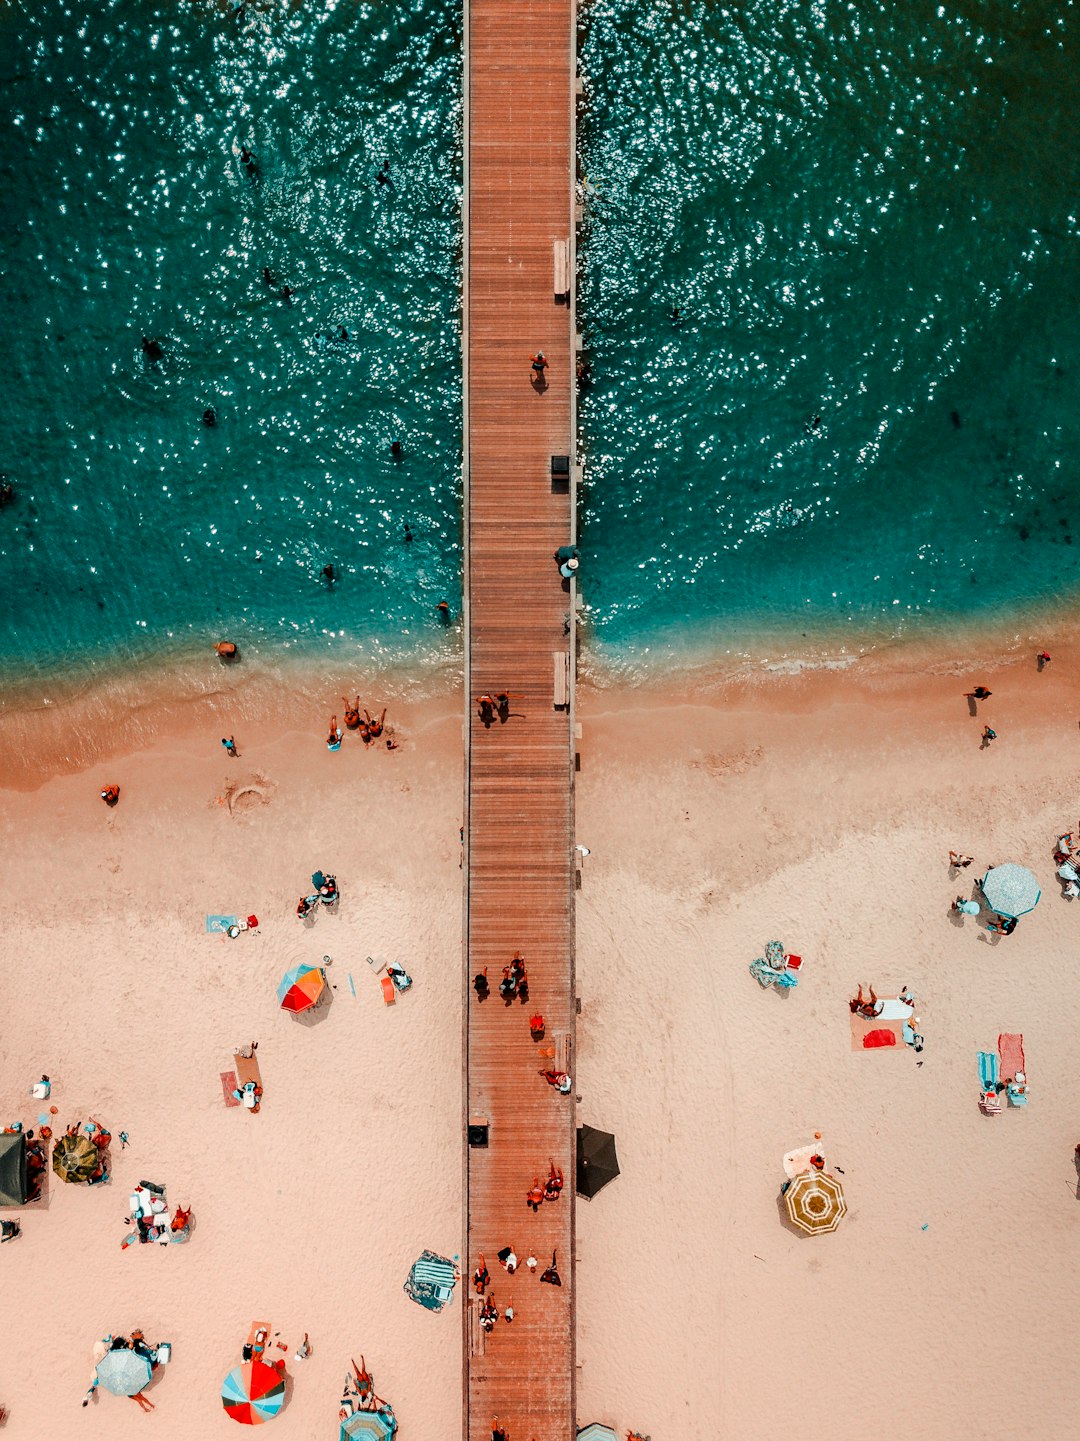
<point>300,987</point>
<point>253,1393</point>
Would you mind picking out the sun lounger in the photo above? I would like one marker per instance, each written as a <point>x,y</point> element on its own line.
<point>389,993</point>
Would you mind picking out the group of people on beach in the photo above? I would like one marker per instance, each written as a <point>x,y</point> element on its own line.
<point>369,728</point>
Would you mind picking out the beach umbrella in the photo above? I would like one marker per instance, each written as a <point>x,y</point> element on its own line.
<point>300,987</point>
<point>1011,890</point>
<point>368,1426</point>
<point>595,1431</point>
<point>815,1202</point>
<point>597,1163</point>
<point>253,1393</point>
<point>74,1158</point>
<point>124,1373</point>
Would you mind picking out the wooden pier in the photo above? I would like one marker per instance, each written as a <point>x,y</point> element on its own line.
<point>519,831</point>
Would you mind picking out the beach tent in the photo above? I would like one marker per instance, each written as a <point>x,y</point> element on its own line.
<point>301,987</point>
<point>368,1426</point>
<point>74,1158</point>
<point>431,1281</point>
<point>597,1163</point>
<point>13,1187</point>
<point>815,1202</point>
<point>124,1373</point>
<point>1011,890</point>
<point>595,1431</point>
<point>253,1393</point>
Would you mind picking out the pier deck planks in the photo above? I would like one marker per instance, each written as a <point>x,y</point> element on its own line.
<point>519,871</point>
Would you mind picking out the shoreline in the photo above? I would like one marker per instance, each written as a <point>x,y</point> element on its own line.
<point>65,723</point>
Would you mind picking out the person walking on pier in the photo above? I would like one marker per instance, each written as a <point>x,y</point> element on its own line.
<point>539,365</point>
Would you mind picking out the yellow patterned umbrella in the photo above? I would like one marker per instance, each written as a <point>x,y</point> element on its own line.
<point>815,1202</point>
<point>74,1158</point>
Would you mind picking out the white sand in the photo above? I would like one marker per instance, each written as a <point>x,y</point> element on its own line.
<point>818,810</point>
<point>308,1214</point>
<point>713,830</point>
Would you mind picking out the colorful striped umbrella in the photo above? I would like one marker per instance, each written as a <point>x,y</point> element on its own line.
<point>301,986</point>
<point>124,1373</point>
<point>815,1202</point>
<point>74,1158</point>
<point>368,1426</point>
<point>253,1393</point>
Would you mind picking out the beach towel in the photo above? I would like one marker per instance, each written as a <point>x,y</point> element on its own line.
<point>218,925</point>
<point>1011,1051</point>
<point>988,1070</point>
<point>868,1035</point>
<point>228,1085</point>
<point>878,1039</point>
<point>431,1281</point>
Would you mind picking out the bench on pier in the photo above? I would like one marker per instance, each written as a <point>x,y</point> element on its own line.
<point>561,256</point>
<point>561,666</point>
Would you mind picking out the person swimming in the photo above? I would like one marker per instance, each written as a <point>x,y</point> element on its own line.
<point>153,350</point>
<point>209,417</point>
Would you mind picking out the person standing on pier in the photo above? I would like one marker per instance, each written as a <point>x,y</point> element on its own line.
<point>539,365</point>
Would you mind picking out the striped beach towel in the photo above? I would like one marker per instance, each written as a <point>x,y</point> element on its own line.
<point>988,1070</point>
<point>1011,1051</point>
<point>431,1281</point>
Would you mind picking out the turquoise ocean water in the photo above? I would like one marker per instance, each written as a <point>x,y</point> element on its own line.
<point>862,421</point>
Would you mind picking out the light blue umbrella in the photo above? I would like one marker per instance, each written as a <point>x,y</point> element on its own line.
<point>594,1431</point>
<point>369,1426</point>
<point>124,1373</point>
<point>1011,890</point>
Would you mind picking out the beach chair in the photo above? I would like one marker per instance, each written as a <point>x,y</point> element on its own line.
<point>400,977</point>
<point>988,1082</point>
<point>389,991</point>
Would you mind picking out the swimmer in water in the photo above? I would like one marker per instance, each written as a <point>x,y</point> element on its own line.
<point>395,449</point>
<point>329,574</point>
<point>209,417</point>
<point>227,649</point>
<point>153,350</point>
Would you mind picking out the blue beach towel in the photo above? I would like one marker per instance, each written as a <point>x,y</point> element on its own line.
<point>431,1281</point>
<point>988,1070</point>
<point>218,925</point>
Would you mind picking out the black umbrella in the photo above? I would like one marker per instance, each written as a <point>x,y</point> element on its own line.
<point>597,1163</point>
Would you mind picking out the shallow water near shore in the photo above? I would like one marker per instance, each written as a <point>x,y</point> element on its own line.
<point>858,429</point>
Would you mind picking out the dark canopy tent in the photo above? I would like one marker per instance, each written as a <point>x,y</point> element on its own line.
<point>13,1187</point>
<point>597,1163</point>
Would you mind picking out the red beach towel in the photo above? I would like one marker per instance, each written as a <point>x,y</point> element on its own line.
<point>1011,1051</point>
<point>228,1085</point>
<point>873,1039</point>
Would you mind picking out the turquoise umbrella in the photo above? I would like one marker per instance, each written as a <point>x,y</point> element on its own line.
<point>1011,890</point>
<point>594,1431</point>
<point>369,1426</point>
<point>124,1373</point>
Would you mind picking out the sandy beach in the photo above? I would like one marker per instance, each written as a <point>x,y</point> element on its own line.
<point>815,807</point>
